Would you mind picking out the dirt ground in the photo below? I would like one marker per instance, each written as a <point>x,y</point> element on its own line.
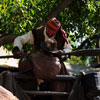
<point>76,69</point>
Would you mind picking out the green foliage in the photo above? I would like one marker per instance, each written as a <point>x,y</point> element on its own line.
<point>79,60</point>
<point>19,16</point>
<point>81,19</point>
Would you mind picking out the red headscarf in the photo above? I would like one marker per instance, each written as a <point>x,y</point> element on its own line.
<point>65,35</point>
<point>53,26</point>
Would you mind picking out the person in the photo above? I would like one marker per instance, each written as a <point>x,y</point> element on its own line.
<point>52,30</point>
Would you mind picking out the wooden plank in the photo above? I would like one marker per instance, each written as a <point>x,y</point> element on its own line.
<point>47,93</point>
<point>58,77</point>
<point>84,52</point>
<point>64,77</point>
<point>21,75</point>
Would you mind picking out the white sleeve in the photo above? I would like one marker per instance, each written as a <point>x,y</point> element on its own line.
<point>26,38</point>
<point>67,48</point>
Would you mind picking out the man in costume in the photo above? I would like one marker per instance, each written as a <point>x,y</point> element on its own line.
<point>53,30</point>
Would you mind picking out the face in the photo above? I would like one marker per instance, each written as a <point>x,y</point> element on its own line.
<point>50,33</point>
<point>52,27</point>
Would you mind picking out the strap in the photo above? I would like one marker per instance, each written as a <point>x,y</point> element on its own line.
<point>34,32</point>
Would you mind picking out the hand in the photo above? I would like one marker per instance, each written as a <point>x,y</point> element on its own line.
<point>60,52</point>
<point>16,52</point>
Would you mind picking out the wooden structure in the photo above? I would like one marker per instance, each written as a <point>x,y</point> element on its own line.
<point>30,86</point>
<point>25,80</point>
<point>57,78</point>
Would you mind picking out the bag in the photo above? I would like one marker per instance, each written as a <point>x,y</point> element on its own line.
<point>45,67</point>
<point>91,84</point>
<point>25,63</point>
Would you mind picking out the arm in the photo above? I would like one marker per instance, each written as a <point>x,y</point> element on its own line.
<point>26,38</point>
<point>67,48</point>
<point>19,41</point>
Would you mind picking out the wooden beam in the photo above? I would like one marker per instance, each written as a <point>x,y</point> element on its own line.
<point>47,93</point>
<point>58,77</point>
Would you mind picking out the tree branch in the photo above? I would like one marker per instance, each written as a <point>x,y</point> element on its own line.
<point>7,39</point>
<point>87,41</point>
<point>10,38</point>
<point>61,7</point>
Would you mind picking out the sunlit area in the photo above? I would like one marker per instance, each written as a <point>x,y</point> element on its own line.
<point>5,61</point>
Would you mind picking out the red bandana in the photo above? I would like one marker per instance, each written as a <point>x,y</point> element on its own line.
<point>65,35</point>
<point>52,27</point>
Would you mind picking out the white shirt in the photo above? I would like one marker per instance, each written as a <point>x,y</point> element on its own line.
<point>28,38</point>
